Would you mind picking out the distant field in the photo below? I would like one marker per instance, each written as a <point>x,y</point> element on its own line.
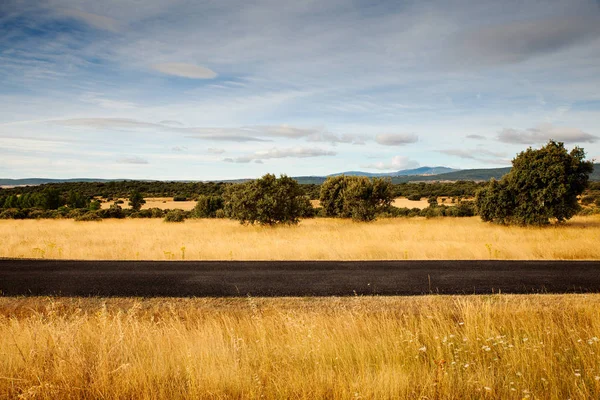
<point>315,239</point>
<point>432,347</point>
<point>164,203</point>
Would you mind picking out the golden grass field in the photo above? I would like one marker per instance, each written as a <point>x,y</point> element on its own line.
<point>164,203</point>
<point>313,239</point>
<point>431,347</point>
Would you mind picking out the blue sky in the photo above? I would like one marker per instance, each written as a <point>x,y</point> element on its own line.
<point>222,89</point>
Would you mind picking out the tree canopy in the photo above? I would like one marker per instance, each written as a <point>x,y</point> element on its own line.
<point>543,184</point>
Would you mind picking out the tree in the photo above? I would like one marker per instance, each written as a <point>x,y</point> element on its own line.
<point>267,201</point>
<point>136,200</point>
<point>543,184</point>
<point>356,197</point>
<point>207,206</point>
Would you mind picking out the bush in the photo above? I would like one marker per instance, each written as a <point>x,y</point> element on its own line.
<point>207,206</point>
<point>13,213</point>
<point>542,184</point>
<point>175,216</point>
<point>89,216</point>
<point>587,200</point>
<point>356,197</point>
<point>95,205</point>
<point>414,197</point>
<point>114,211</point>
<point>267,201</point>
<point>180,198</point>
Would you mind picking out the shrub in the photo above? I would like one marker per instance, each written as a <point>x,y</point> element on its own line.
<point>207,206</point>
<point>414,197</point>
<point>13,213</point>
<point>175,216</point>
<point>542,184</point>
<point>114,211</point>
<point>587,200</point>
<point>157,212</point>
<point>267,201</point>
<point>95,205</point>
<point>180,198</point>
<point>89,216</point>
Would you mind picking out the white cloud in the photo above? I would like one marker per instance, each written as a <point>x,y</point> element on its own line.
<point>185,70</point>
<point>544,132</point>
<point>480,154</point>
<point>397,163</point>
<point>213,150</point>
<point>132,160</point>
<point>294,152</point>
<point>396,139</point>
<point>95,20</point>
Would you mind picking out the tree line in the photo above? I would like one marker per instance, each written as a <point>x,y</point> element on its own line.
<point>543,185</point>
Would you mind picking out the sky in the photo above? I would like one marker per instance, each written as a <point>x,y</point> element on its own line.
<point>225,89</point>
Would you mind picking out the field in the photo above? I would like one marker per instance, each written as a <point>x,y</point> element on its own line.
<point>164,203</point>
<point>500,346</point>
<point>316,239</point>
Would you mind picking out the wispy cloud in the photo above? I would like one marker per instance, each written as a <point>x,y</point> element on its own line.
<point>396,139</point>
<point>185,70</point>
<point>517,41</point>
<point>476,137</point>
<point>480,154</point>
<point>95,20</point>
<point>294,152</point>
<point>214,150</point>
<point>545,132</point>
<point>397,163</point>
<point>132,160</point>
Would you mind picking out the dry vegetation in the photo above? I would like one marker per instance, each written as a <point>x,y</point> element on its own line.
<point>317,239</point>
<point>501,346</point>
<point>164,203</point>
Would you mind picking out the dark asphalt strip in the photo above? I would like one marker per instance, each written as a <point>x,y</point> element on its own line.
<point>293,278</point>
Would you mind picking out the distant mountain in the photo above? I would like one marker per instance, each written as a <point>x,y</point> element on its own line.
<point>404,172</point>
<point>414,175</point>
<point>41,181</point>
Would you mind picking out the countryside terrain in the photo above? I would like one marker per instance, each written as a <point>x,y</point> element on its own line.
<point>261,243</point>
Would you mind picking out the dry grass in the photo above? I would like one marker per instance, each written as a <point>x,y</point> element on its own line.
<point>317,239</point>
<point>164,203</point>
<point>501,347</point>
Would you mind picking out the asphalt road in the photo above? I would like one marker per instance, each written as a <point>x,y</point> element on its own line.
<point>293,278</point>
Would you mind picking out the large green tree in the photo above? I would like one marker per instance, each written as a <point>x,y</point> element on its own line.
<point>267,201</point>
<point>543,184</point>
<point>356,197</point>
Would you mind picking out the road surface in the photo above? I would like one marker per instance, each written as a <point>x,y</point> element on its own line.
<point>293,278</point>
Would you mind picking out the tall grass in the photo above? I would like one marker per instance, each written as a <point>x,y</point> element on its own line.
<point>433,347</point>
<point>318,239</point>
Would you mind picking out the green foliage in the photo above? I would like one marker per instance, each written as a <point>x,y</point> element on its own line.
<point>267,201</point>
<point>76,200</point>
<point>136,200</point>
<point>356,197</point>
<point>175,216</point>
<point>13,213</point>
<point>207,206</point>
<point>414,197</point>
<point>89,216</point>
<point>543,184</point>
<point>95,205</point>
<point>180,198</point>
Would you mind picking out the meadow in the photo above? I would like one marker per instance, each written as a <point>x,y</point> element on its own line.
<point>451,347</point>
<point>313,239</point>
